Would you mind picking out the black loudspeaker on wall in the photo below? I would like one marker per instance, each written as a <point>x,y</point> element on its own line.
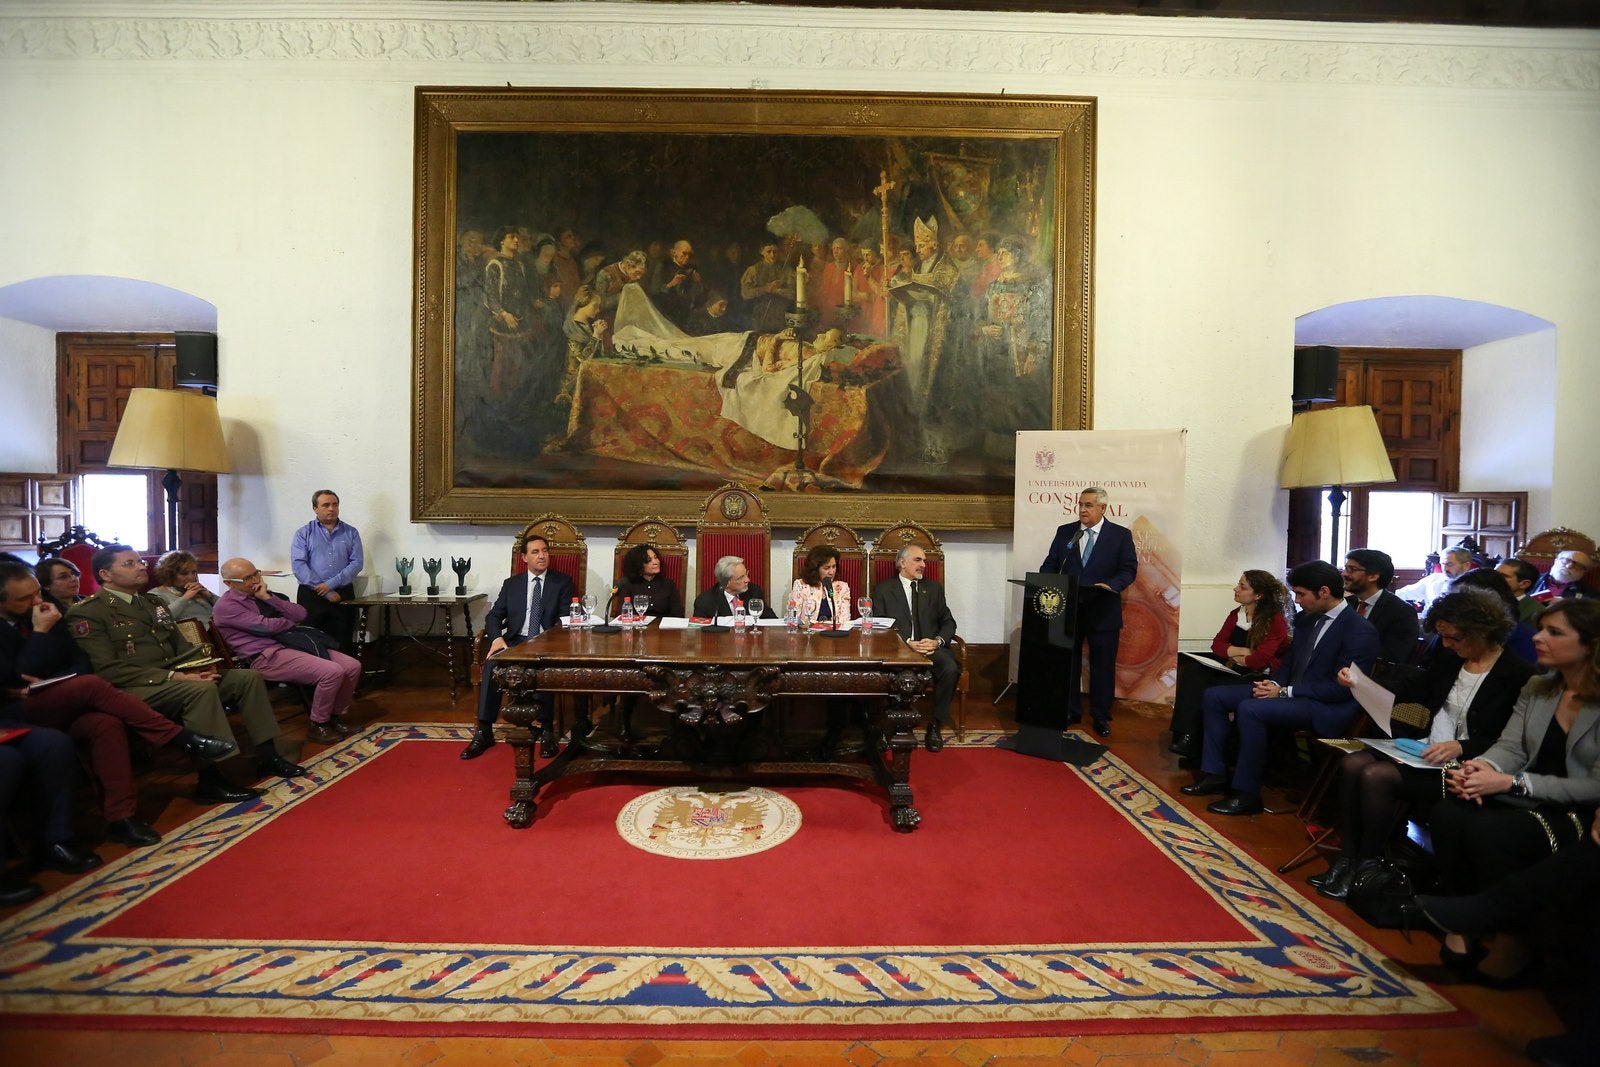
<point>197,359</point>
<point>1316,374</point>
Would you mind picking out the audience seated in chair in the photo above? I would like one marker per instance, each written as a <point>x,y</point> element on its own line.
<point>1521,577</point>
<point>44,757</point>
<point>1303,693</point>
<point>1468,692</point>
<point>35,645</point>
<point>132,643</point>
<point>255,622</point>
<point>177,584</point>
<point>1253,639</point>
<point>1367,574</point>
<point>60,580</point>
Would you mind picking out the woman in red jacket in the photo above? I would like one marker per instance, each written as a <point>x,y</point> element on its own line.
<point>1253,640</point>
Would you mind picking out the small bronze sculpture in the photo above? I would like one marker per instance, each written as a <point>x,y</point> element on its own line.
<point>461,567</point>
<point>433,567</point>
<point>405,567</point>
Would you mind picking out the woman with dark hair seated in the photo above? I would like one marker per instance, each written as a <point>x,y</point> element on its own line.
<point>641,576</point>
<point>1519,641</point>
<point>1470,688</point>
<point>60,580</point>
<point>1253,638</point>
<point>817,594</point>
<point>1533,793</point>
<point>177,583</point>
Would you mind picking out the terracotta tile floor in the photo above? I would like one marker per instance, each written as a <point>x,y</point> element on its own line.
<point>1505,1021</point>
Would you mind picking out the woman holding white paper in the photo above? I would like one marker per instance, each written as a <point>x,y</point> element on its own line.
<point>1470,688</point>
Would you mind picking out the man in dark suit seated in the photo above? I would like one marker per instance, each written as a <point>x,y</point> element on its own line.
<point>529,604</point>
<point>1098,553</point>
<point>1304,692</point>
<point>1565,579</point>
<point>733,583</point>
<point>923,619</point>
<point>1367,574</point>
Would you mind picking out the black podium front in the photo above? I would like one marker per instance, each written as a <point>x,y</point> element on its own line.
<point>1048,687</point>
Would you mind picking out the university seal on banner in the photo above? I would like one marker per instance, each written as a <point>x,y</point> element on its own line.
<point>689,823</point>
<point>1044,459</point>
<point>1049,602</point>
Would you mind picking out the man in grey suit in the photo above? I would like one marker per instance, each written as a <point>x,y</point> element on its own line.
<point>923,619</point>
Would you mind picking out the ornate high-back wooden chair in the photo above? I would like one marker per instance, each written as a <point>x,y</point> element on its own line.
<point>77,546</point>
<point>884,551</point>
<point>852,555</point>
<point>732,522</point>
<point>669,545</point>
<point>1542,549</point>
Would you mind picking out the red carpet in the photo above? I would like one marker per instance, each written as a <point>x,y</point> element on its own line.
<point>386,893</point>
<point>1010,851</point>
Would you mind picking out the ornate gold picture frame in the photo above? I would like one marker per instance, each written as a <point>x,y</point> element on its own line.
<point>626,298</point>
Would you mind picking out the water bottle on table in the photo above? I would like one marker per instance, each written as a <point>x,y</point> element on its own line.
<point>575,613</point>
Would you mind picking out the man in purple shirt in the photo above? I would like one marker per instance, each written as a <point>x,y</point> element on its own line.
<point>327,557</point>
<point>250,618</point>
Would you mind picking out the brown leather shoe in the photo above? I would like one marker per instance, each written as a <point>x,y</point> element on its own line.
<point>343,724</point>
<point>324,733</point>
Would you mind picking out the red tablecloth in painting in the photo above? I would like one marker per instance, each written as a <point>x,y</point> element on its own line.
<point>669,416</point>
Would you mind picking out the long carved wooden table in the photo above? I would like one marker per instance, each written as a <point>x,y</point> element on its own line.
<point>717,690</point>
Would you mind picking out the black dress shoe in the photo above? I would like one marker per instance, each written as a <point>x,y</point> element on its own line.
<point>933,741</point>
<point>324,733</point>
<point>1339,869</point>
<point>547,742</point>
<point>343,724</point>
<point>1206,786</point>
<point>1102,727</point>
<point>1338,887</point>
<point>481,742</point>
<point>277,765</point>
<point>210,749</point>
<point>1238,804</point>
<point>133,832</point>
<point>14,891</point>
<point>61,856</point>
<point>217,791</point>
<point>1184,745</point>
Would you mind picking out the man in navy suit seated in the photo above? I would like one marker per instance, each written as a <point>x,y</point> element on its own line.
<point>1100,555</point>
<point>529,604</point>
<point>1305,693</point>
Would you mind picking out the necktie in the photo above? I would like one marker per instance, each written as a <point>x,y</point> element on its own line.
<point>913,611</point>
<point>1305,649</point>
<point>1361,609</point>
<point>1088,545</point>
<point>531,627</point>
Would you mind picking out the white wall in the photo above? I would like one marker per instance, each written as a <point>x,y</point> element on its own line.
<point>28,371</point>
<point>1497,381</point>
<point>1248,172</point>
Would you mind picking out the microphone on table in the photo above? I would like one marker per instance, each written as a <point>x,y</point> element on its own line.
<point>606,626</point>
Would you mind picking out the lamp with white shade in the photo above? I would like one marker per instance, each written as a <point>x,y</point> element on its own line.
<point>172,430</point>
<point>1335,448</point>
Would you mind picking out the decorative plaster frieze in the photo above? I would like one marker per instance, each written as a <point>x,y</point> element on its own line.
<point>561,38</point>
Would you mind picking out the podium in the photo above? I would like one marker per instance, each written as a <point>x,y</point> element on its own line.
<point>1048,671</point>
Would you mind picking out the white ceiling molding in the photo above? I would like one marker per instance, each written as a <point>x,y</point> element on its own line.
<point>609,36</point>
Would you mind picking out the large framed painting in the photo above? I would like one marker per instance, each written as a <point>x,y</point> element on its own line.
<point>626,299</point>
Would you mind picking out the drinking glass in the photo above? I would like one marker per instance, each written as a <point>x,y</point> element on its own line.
<point>864,612</point>
<point>754,606</point>
<point>587,603</point>
<point>641,605</point>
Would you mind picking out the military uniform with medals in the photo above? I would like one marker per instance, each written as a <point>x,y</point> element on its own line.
<point>132,643</point>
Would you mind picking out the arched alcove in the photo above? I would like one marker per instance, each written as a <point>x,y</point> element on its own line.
<point>1508,380</point>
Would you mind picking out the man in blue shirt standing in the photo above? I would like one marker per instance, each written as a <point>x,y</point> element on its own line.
<point>327,557</point>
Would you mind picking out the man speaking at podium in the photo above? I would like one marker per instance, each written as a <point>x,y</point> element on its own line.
<point>1099,554</point>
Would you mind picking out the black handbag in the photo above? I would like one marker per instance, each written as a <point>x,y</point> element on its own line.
<point>307,639</point>
<point>1381,893</point>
